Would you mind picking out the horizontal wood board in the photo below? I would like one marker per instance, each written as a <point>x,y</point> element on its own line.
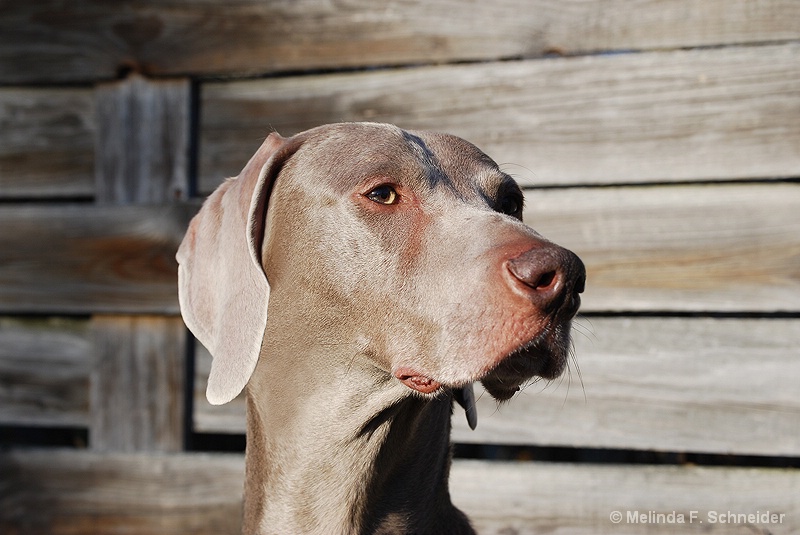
<point>699,385</point>
<point>77,259</point>
<point>671,248</point>
<point>723,386</point>
<point>671,384</point>
<point>720,114</point>
<point>532,498</point>
<point>708,115</point>
<point>74,492</point>
<point>46,41</point>
<point>725,248</point>
<point>47,140</point>
<point>69,492</point>
<point>44,372</point>
<point>695,385</point>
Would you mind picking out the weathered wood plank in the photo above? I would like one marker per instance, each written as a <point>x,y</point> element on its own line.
<point>730,248</point>
<point>142,142</point>
<point>652,117</point>
<point>74,492</point>
<point>44,372</point>
<point>70,492</point>
<point>697,385</point>
<point>531,498</point>
<point>138,380</point>
<point>44,41</point>
<point>76,258</point>
<point>681,248</point>
<point>46,142</point>
<point>137,384</point>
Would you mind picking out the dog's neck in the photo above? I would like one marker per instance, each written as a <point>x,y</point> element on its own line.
<point>356,452</point>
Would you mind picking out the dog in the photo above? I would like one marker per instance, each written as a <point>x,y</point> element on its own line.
<point>358,278</point>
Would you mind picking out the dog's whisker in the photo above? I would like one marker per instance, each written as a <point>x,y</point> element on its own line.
<point>573,356</point>
<point>504,166</point>
<point>587,331</point>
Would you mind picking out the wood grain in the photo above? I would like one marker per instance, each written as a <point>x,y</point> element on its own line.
<point>74,492</point>
<point>691,92</point>
<point>44,372</point>
<point>45,41</point>
<point>723,386</point>
<point>70,492</point>
<point>721,114</point>
<point>729,248</point>
<point>73,258</point>
<point>714,114</point>
<point>46,142</point>
<point>697,385</point>
<point>138,378</point>
<point>142,143</point>
<point>137,384</point>
<point>725,248</point>
<point>528,498</point>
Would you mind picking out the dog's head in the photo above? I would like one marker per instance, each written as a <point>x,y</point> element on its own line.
<point>406,247</point>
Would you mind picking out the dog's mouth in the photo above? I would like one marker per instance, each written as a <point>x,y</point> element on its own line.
<point>544,357</point>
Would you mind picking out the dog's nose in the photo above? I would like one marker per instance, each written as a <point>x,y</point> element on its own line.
<point>554,276</point>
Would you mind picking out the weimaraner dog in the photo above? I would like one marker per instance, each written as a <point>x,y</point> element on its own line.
<point>357,278</point>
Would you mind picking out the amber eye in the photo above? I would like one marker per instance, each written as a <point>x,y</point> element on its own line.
<point>383,195</point>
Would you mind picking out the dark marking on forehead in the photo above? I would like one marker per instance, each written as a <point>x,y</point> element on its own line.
<point>461,166</point>
<point>433,167</point>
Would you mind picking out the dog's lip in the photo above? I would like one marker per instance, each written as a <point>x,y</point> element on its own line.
<point>414,380</point>
<point>544,357</point>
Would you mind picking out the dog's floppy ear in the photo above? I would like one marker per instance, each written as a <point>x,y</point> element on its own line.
<point>222,289</point>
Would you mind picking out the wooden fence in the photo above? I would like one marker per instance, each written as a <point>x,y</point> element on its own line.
<point>660,140</point>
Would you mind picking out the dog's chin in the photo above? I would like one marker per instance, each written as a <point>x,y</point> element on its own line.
<point>544,357</point>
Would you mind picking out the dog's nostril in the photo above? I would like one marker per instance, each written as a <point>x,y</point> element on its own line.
<point>545,280</point>
<point>539,272</point>
<point>555,276</point>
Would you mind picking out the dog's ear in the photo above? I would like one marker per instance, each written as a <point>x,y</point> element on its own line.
<point>222,288</point>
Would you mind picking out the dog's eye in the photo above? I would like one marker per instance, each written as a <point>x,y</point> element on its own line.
<point>383,195</point>
<point>510,205</point>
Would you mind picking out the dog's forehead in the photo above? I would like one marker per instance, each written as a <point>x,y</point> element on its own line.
<point>449,149</point>
<point>455,159</point>
<point>353,152</point>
